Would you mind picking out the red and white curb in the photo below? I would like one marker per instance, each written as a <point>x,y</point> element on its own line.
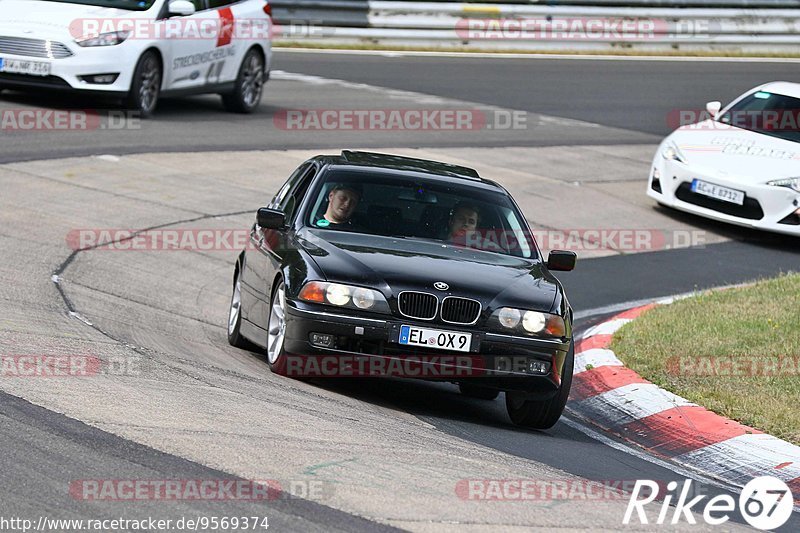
<point>614,397</point>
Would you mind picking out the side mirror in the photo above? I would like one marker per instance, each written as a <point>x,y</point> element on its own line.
<point>561,260</point>
<point>713,108</point>
<point>181,8</point>
<point>270,218</point>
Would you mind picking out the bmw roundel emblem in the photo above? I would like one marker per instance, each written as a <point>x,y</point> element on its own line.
<point>442,286</point>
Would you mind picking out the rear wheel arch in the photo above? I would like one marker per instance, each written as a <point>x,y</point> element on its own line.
<point>260,51</point>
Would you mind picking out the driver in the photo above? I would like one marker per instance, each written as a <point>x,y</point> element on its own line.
<point>343,199</point>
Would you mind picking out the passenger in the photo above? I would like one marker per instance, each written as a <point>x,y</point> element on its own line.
<point>464,219</point>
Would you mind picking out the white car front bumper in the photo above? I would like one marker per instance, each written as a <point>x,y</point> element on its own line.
<point>765,207</point>
<point>71,72</point>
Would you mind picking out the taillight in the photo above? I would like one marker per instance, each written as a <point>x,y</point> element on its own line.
<point>268,10</point>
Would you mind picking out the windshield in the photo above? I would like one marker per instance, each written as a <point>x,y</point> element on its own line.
<point>130,5</point>
<point>413,208</point>
<point>775,115</point>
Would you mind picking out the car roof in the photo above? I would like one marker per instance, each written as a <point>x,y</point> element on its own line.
<point>784,88</point>
<point>407,165</point>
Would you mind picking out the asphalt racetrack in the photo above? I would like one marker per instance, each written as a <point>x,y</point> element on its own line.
<point>354,455</point>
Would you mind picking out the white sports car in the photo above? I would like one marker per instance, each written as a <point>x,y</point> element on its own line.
<point>741,165</point>
<point>138,49</point>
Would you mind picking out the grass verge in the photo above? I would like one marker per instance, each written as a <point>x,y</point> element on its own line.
<point>735,352</point>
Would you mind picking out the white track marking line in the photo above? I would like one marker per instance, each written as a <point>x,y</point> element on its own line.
<point>644,456</point>
<point>502,55</point>
<point>736,457</point>
<point>595,357</point>
<point>606,328</point>
<point>630,403</point>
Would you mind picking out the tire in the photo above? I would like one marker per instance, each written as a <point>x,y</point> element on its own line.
<point>235,337</point>
<point>246,94</point>
<point>476,391</point>
<point>276,330</point>
<point>542,414</point>
<point>146,85</point>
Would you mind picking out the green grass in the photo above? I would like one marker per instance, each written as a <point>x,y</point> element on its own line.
<point>610,52</point>
<point>747,326</point>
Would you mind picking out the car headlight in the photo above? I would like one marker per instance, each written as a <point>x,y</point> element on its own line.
<point>792,183</point>
<point>528,322</point>
<point>508,317</point>
<point>364,298</point>
<point>672,152</point>
<point>341,295</point>
<point>338,294</point>
<point>104,39</point>
<point>533,321</point>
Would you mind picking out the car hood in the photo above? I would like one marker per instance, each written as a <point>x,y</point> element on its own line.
<point>396,264</point>
<point>736,154</point>
<point>53,20</point>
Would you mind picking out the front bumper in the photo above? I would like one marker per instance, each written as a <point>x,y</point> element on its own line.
<point>369,347</point>
<point>766,207</point>
<point>66,73</point>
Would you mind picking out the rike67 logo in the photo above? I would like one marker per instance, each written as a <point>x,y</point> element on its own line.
<point>765,503</point>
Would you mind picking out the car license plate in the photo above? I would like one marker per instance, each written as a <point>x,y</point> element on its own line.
<point>435,338</point>
<point>21,66</point>
<point>717,191</point>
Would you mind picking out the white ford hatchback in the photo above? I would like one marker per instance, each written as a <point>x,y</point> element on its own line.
<point>138,49</point>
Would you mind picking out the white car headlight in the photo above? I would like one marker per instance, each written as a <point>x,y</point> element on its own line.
<point>672,152</point>
<point>104,39</point>
<point>792,183</point>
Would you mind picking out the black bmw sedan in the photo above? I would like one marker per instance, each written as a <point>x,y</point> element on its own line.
<point>370,264</point>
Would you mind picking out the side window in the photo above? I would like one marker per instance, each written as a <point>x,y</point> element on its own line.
<point>290,202</point>
<point>199,5</point>
<point>280,196</point>
<point>214,4</point>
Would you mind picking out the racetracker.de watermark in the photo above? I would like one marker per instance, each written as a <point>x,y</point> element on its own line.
<point>222,29</point>
<point>67,366</point>
<point>411,365</point>
<point>405,366</point>
<point>441,120</point>
<point>694,366</point>
<point>198,489</point>
<point>502,241</point>
<point>580,29</point>
<point>23,120</point>
<point>784,120</point>
<point>172,239</point>
<point>545,490</point>
<point>583,239</point>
